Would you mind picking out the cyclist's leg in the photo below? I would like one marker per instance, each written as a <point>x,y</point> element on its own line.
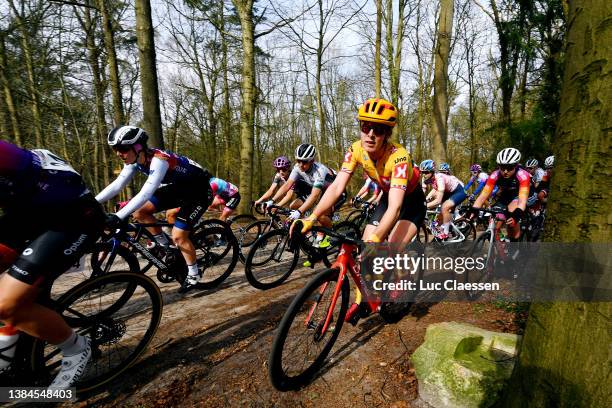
<point>192,208</point>
<point>514,230</point>
<point>230,206</point>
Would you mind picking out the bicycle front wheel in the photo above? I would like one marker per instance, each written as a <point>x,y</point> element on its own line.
<point>271,260</point>
<point>303,339</point>
<point>120,327</point>
<point>483,248</point>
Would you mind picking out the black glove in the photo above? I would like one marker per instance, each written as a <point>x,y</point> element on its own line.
<point>112,221</point>
<point>517,214</point>
<point>474,212</point>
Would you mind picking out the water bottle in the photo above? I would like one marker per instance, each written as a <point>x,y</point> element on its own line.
<point>8,343</point>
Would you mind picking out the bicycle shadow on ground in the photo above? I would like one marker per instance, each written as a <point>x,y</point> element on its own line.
<point>188,358</point>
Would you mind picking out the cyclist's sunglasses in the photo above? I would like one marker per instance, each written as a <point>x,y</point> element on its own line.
<point>122,148</point>
<point>426,172</point>
<point>507,167</point>
<point>304,161</point>
<point>379,128</point>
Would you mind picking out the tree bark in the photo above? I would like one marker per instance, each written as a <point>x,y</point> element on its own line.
<point>148,73</point>
<point>377,45</point>
<point>32,81</point>
<point>109,44</point>
<point>565,360</point>
<point>440,97</point>
<point>8,94</point>
<point>247,113</point>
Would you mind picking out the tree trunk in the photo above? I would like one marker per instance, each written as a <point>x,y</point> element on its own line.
<point>226,116</point>
<point>148,74</point>
<point>109,43</point>
<point>565,355</point>
<point>322,137</point>
<point>32,82</point>
<point>247,113</point>
<point>377,45</point>
<point>440,98</point>
<point>8,95</point>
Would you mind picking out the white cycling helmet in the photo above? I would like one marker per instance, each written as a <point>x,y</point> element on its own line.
<point>305,152</point>
<point>531,163</point>
<point>549,162</point>
<point>509,155</point>
<point>127,136</point>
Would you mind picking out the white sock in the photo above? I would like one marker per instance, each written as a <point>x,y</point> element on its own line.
<point>193,270</point>
<point>446,227</point>
<point>162,239</point>
<point>74,344</point>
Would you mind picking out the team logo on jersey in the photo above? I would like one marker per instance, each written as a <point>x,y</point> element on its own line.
<point>401,171</point>
<point>348,156</point>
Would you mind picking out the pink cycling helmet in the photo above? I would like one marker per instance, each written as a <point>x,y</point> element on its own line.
<point>475,167</point>
<point>281,162</point>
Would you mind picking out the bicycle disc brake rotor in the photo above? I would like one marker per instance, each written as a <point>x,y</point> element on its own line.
<point>108,331</point>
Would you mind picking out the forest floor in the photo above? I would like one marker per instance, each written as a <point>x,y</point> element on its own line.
<point>212,347</point>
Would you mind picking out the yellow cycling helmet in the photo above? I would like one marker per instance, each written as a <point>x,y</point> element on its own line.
<point>378,111</point>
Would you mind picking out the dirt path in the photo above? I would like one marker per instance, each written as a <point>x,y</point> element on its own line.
<point>212,348</point>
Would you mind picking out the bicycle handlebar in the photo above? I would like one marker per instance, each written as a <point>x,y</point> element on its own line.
<point>297,234</point>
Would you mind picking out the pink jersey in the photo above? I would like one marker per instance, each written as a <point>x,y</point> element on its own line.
<point>444,182</point>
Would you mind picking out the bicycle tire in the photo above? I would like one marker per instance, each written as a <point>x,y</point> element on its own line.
<point>250,234</point>
<point>268,276</point>
<point>239,222</point>
<point>102,328</point>
<point>483,243</point>
<point>214,244</point>
<point>280,378</point>
<point>100,254</point>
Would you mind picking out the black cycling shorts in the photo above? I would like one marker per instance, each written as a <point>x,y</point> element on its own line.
<point>413,208</point>
<point>51,240</point>
<point>193,201</point>
<point>233,202</point>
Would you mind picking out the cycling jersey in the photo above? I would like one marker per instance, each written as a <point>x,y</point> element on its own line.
<point>394,169</point>
<point>444,182</point>
<point>225,190</point>
<point>482,178</point>
<point>319,175</point>
<point>36,178</point>
<point>47,206</point>
<point>511,188</point>
<point>545,182</point>
<point>160,167</point>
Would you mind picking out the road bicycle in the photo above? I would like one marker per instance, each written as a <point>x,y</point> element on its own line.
<point>216,253</point>
<point>120,312</point>
<point>492,246</point>
<point>461,229</point>
<point>313,321</point>
<point>273,256</point>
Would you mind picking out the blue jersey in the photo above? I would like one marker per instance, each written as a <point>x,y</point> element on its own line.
<point>180,168</point>
<point>36,178</point>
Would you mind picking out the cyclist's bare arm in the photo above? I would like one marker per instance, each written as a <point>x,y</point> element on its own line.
<point>311,200</point>
<point>332,194</point>
<point>437,199</point>
<point>283,190</point>
<point>288,197</point>
<point>267,194</point>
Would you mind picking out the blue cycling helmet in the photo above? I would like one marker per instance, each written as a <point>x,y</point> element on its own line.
<point>444,167</point>
<point>427,165</point>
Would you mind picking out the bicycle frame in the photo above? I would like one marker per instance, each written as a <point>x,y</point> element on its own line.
<point>346,264</point>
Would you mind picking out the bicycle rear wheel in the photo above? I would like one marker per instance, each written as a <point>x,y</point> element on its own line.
<point>120,326</point>
<point>271,260</point>
<point>300,346</point>
<point>217,255</point>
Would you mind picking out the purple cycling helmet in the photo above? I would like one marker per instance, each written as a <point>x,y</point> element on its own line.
<point>475,167</point>
<point>281,162</point>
